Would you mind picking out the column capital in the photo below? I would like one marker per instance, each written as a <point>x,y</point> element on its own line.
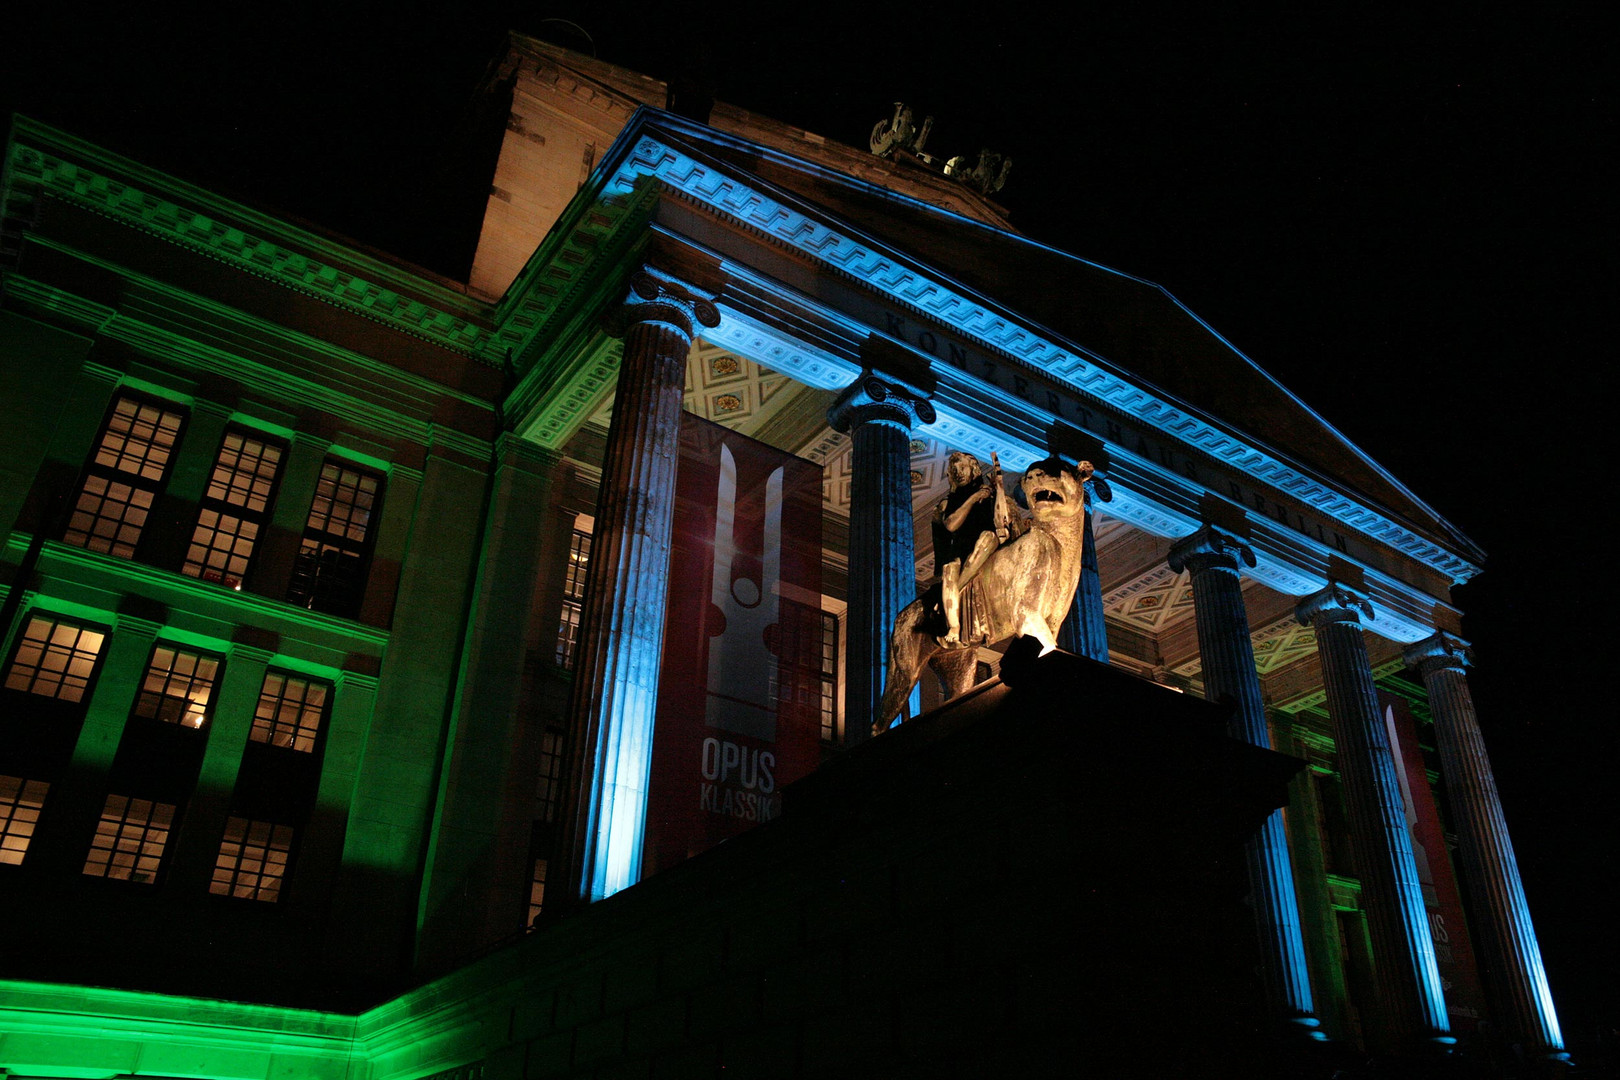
<point>1210,548</point>
<point>1336,603</point>
<point>656,297</point>
<point>872,397</point>
<point>1438,652</point>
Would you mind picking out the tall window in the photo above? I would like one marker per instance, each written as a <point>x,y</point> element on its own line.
<point>330,572</point>
<point>579,560</point>
<point>808,662</point>
<point>548,784</point>
<point>252,861</point>
<point>289,713</point>
<point>124,475</point>
<point>234,509</point>
<point>129,842</point>
<point>20,803</point>
<point>55,659</point>
<point>178,688</point>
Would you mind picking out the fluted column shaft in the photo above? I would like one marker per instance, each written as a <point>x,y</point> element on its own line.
<point>1504,932</point>
<point>1226,650</point>
<point>1411,1003</point>
<point>1085,631</point>
<point>621,634</point>
<point>878,416</point>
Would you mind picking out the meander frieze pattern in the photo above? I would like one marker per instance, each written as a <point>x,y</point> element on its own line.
<point>237,247</point>
<point>864,262</point>
<point>570,255</point>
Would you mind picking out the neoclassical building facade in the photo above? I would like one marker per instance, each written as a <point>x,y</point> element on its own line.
<point>335,601</point>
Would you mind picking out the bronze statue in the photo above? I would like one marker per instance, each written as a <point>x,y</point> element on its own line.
<point>1024,586</point>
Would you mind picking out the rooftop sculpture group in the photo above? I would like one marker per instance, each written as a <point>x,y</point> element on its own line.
<point>1000,574</point>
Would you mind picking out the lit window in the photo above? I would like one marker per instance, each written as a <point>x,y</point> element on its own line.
<point>252,861</point>
<point>548,786</point>
<point>289,713</point>
<point>579,560</point>
<point>124,476</point>
<point>329,573</point>
<point>234,510</point>
<point>130,840</point>
<point>178,688</point>
<point>20,803</point>
<point>55,659</point>
<point>537,890</point>
<point>808,663</point>
<point>828,676</point>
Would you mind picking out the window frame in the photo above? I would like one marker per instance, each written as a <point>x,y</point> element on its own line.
<point>571,612</point>
<point>318,740</point>
<point>115,474</point>
<point>44,615</point>
<point>212,698</point>
<point>170,829</point>
<point>261,519</point>
<point>339,598</point>
<point>283,880</point>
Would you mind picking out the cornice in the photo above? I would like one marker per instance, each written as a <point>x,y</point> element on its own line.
<point>644,153</point>
<point>42,161</point>
<point>247,608</point>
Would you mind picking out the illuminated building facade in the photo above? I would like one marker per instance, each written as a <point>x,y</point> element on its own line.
<point>335,600</point>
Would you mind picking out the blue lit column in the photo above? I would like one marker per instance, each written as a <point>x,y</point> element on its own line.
<point>1226,650</point>
<point>621,633</point>
<point>1505,935</point>
<point>878,415</point>
<point>1412,1007</point>
<point>1085,631</point>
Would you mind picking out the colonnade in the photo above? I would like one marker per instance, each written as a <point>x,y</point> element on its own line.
<point>621,637</point>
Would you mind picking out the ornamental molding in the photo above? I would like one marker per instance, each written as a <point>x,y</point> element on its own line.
<point>645,158</point>
<point>379,295</point>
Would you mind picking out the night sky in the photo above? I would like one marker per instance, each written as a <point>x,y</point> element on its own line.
<point>1399,216</point>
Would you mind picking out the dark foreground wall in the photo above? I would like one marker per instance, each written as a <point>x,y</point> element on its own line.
<point>1042,878</point>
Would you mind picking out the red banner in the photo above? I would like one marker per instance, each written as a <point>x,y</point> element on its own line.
<point>739,702</point>
<point>1458,975</point>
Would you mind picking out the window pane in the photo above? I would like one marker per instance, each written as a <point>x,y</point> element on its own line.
<point>129,842</point>
<point>252,860</point>
<point>54,659</point>
<point>20,803</point>
<point>178,688</point>
<point>289,713</point>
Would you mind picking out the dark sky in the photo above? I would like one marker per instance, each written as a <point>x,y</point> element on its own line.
<point>1401,216</point>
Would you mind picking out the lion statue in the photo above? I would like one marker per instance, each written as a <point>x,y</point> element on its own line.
<point>1024,587</point>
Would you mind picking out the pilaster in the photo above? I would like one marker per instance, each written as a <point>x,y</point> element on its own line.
<point>78,797</point>
<point>198,842</point>
<point>621,634</point>
<point>480,830</point>
<point>877,413</point>
<point>1412,1007</point>
<point>1211,557</point>
<point>1504,932</point>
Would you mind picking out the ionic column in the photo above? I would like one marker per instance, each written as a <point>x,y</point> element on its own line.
<point>1505,934</point>
<point>1412,1008</point>
<point>878,415</point>
<point>1211,557</point>
<point>621,633</point>
<point>1085,630</point>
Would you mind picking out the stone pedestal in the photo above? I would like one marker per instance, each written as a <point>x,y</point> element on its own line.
<point>1411,1006</point>
<point>621,633</point>
<point>878,415</point>
<point>1211,556</point>
<point>1503,932</point>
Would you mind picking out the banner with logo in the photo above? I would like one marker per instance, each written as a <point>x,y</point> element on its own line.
<point>739,701</point>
